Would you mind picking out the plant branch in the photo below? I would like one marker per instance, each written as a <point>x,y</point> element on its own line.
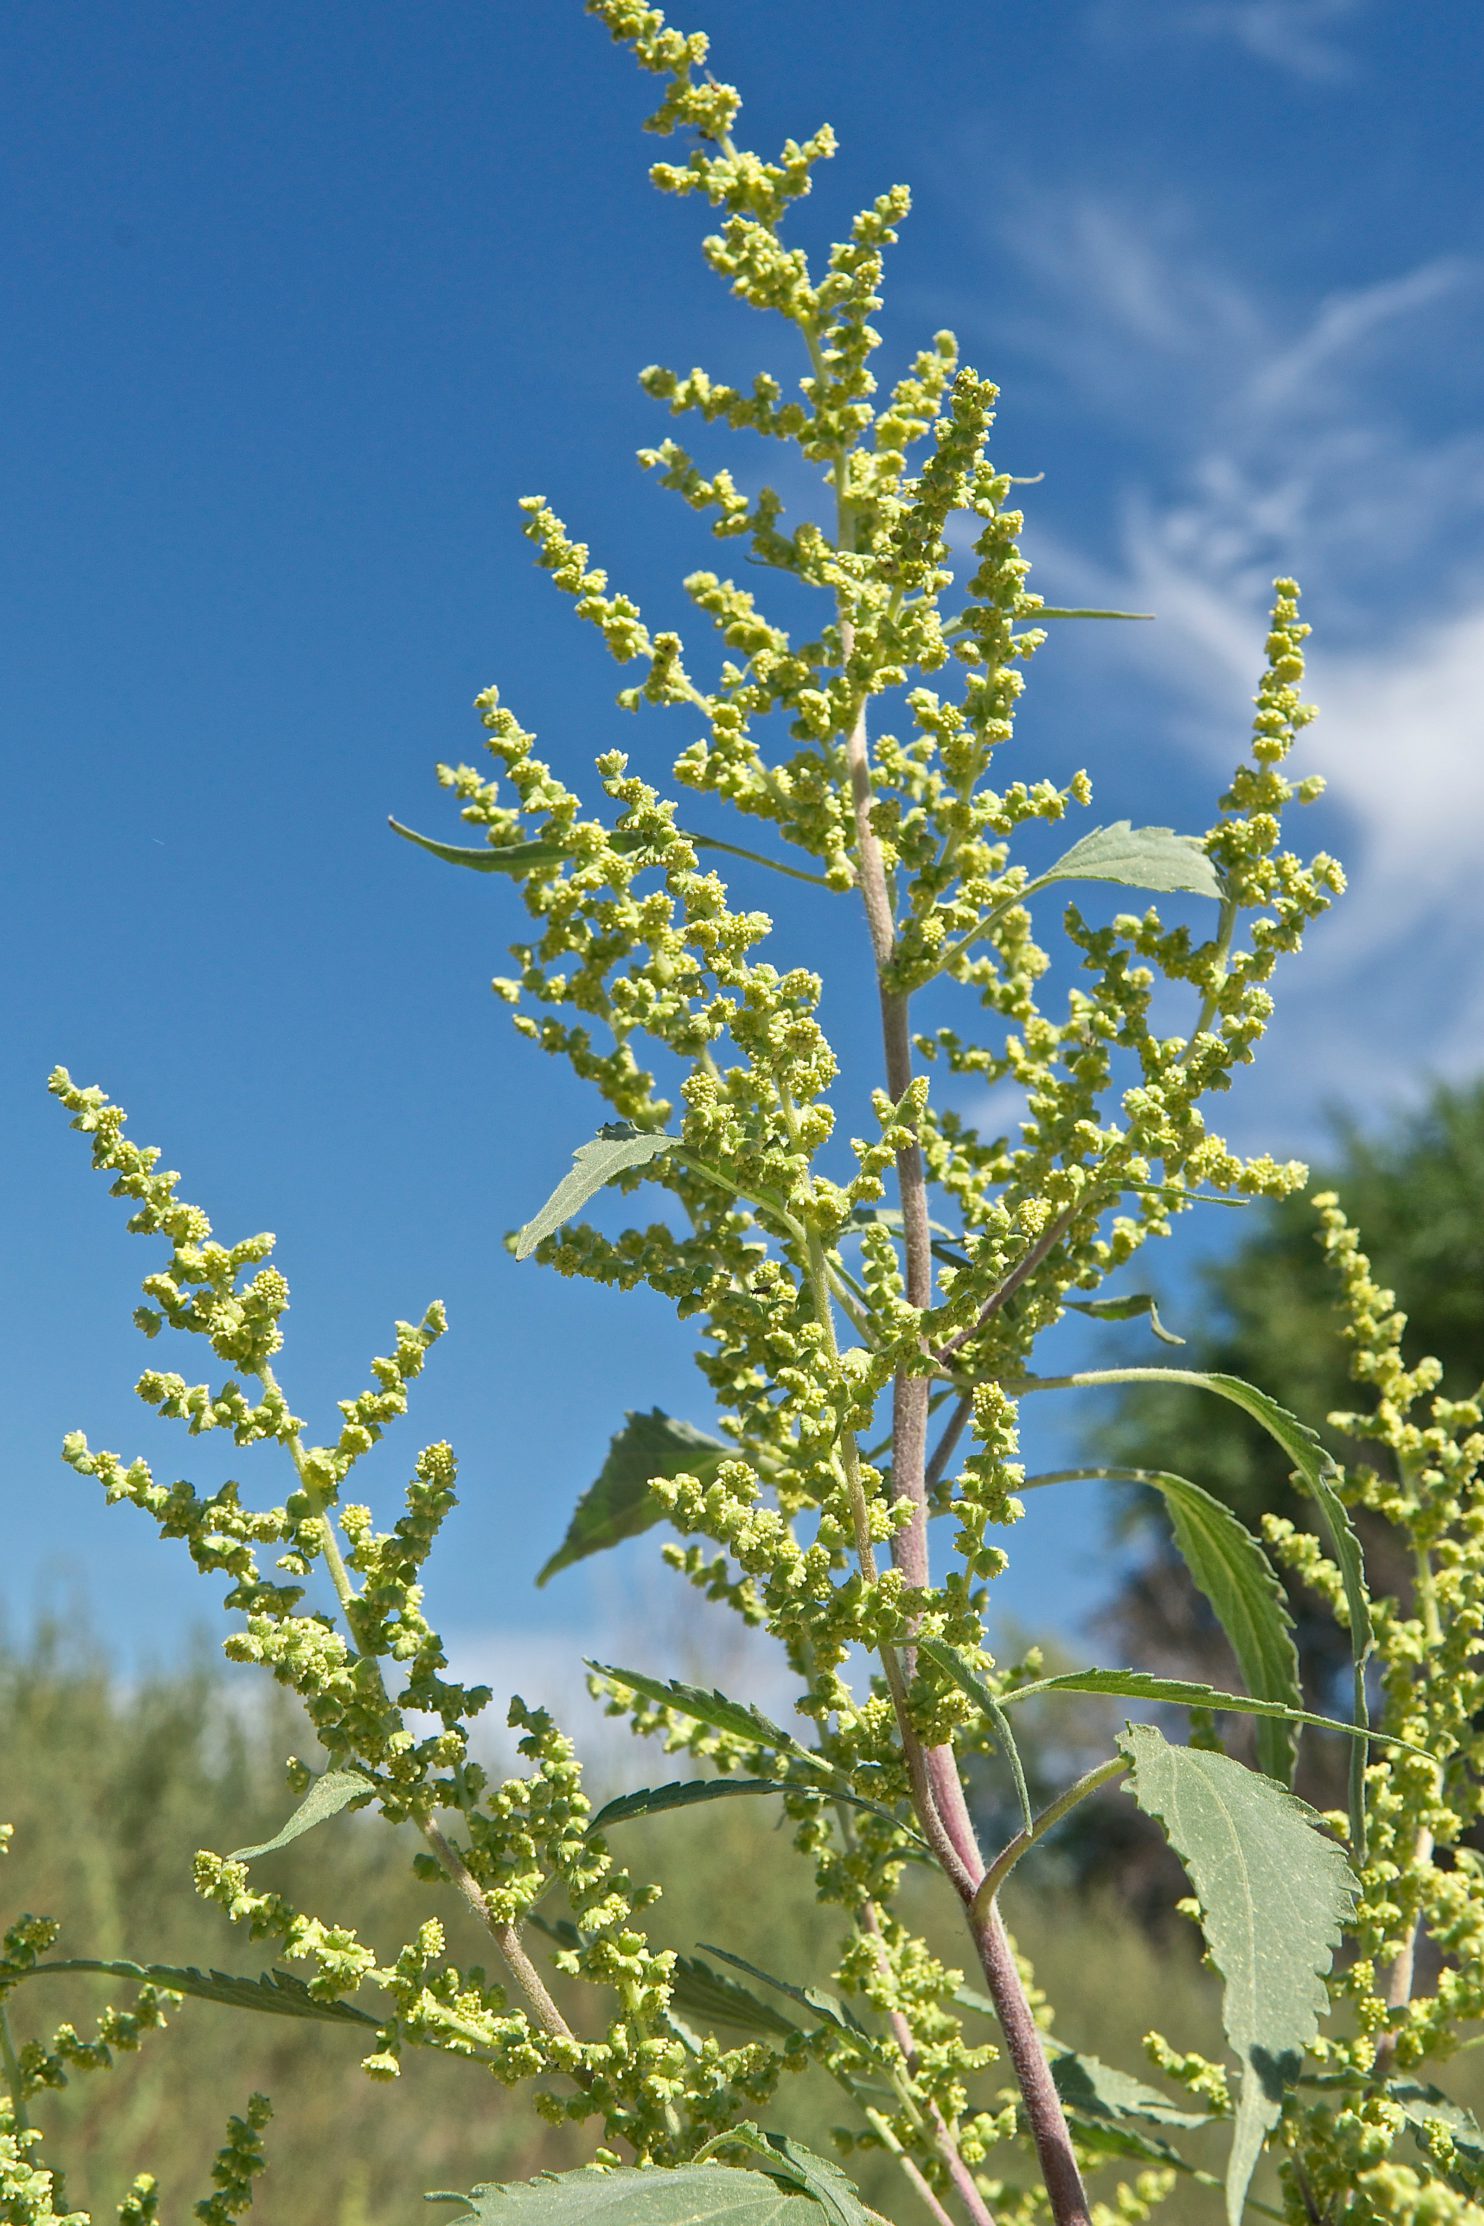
<point>13,2077</point>
<point>1000,1869</point>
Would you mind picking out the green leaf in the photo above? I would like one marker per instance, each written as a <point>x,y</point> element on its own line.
<point>278,1992</point>
<point>619,1504</point>
<point>828,2006</point>
<point>617,1147</point>
<point>690,1793</point>
<point>1097,2090</point>
<point>1229,1567</point>
<point>527,857</point>
<point>1034,618</point>
<point>968,1680</point>
<point>716,2000</point>
<point>792,2165</point>
<point>1186,1692</point>
<point>326,1797</point>
<point>1153,858</point>
<point>631,2195</point>
<point>514,857</point>
<point>1317,1471</point>
<point>738,1717</point>
<point>1126,1310</point>
<point>1274,1896</point>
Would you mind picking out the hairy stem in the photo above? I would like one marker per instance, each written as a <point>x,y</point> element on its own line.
<point>936,1783</point>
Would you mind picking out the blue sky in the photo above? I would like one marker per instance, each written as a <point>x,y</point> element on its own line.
<point>302,301</point>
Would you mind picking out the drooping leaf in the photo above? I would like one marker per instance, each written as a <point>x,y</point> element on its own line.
<point>280,1993</point>
<point>619,1503</point>
<point>515,857</point>
<point>1229,1567</point>
<point>792,2165</point>
<point>1126,1310</point>
<point>827,2006</point>
<point>1154,858</point>
<point>690,1793</point>
<point>738,1717</point>
<point>717,2001</point>
<point>1184,1692</point>
<point>632,2195</point>
<point>1274,1894</point>
<point>326,1797</point>
<point>617,1147</point>
<point>1316,1470</point>
<point>528,857</point>
<point>968,1680</point>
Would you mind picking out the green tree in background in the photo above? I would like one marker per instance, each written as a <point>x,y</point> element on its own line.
<point>1269,1314</point>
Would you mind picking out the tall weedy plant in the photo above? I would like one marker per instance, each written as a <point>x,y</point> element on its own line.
<point>869,1306</point>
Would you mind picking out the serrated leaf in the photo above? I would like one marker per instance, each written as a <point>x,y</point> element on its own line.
<point>619,1504</point>
<point>618,1147</point>
<point>1184,1692</point>
<point>326,1797</point>
<point>968,1680</point>
<point>792,2165</point>
<point>690,1793</point>
<point>1229,1567</point>
<point>714,1709</point>
<point>280,1993</point>
<point>827,2006</point>
<point>1154,858</point>
<point>1274,1895</point>
<point>632,2195</point>
<point>1126,1310</point>
<point>1316,1470</point>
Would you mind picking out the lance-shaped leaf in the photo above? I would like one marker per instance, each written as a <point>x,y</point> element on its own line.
<point>1423,2106</point>
<point>617,1147</point>
<point>792,2165</point>
<point>1229,1567</point>
<point>717,2001</point>
<point>1126,1310</point>
<point>1227,1564</point>
<point>619,1503</point>
<point>1154,858</point>
<point>738,1717</point>
<point>326,1797</point>
<point>827,2006</point>
<point>693,1793</point>
<point>968,1680</point>
<point>529,857</point>
<point>280,1993</point>
<point>1185,1692</point>
<point>1274,1895</point>
<point>1034,618</point>
<point>634,2195</point>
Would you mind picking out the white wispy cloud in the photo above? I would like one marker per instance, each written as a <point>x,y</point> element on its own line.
<point>1271,435</point>
<point>1303,38</point>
